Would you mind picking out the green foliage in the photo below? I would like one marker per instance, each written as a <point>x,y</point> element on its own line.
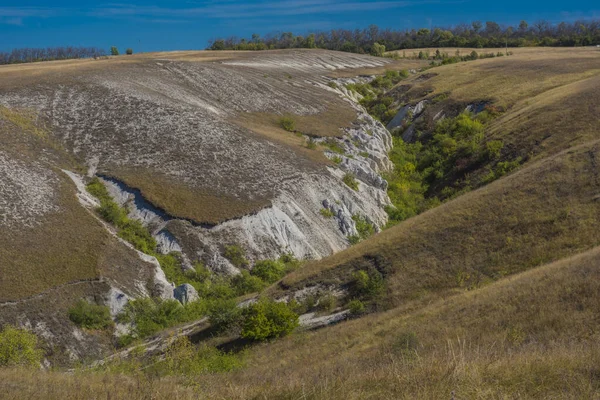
<point>135,233</point>
<point>182,358</point>
<point>90,316</point>
<point>311,144</point>
<point>288,123</point>
<point>337,160</point>
<point>334,146</point>
<point>130,230</point>
<point>363,226</point>
<point>269,271</point>
<point>246,283</point>
<point>19,347</point>
<point>350,181</point>
<point>327,213</point>
<point>354,239</point>
<point>149,316</point>
<point>235,254</point>
<point>501,169</point>
<point>129,51</point>
<point>224,315</point>
<point>368,284</point>
<point>378,50</point>
<point>267,319</point>
<point>356,307</point>
<point>493,149</point>
<point>332,85</point>
<point>327,303</point>
<point>114,51</point>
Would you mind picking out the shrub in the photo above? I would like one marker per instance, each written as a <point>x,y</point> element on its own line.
<point>356,307</point>
<point>378,50</point>
<point>350,181</point>
<point>287,123</point>
<point>363,226</point>
<point>90,316</point>
<point>354,239</point>
<point>311,144</point>
<point>337,160</point>
<point>114,51</point>
<point>332,85</point>
<point>246,283</point>
<point>183,358</point>
<point>236,255</point>
<point>268,319</point>
<point>149,316</point>
<point>224,315</point>
<point>327,303</point>
<point>129,51</point>
<point>269,271</point>
<point>368,284</point>
<point>138,235</point>
<point>334,146</point>
<point>19,347</point>
<point>327,213</point>
<point>493,149</point>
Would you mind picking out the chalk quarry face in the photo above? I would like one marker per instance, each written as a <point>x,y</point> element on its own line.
<point>191,144</point>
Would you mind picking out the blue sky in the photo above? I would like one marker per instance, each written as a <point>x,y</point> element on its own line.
<point>189,24</point>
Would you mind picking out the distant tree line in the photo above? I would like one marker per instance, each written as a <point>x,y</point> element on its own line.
<point>477,34</point>
<point>26,55</point>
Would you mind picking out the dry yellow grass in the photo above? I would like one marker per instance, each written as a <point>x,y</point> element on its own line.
<point>531,336</point>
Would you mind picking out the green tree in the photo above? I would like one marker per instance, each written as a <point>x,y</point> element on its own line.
<point>129,51</point>
<point>114,51</point>
<point>19,347</point>
<point>378,50</point>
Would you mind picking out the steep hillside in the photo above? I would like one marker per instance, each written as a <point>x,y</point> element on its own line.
<point>192,145</point>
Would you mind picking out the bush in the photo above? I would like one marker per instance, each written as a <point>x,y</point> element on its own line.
<point>19,347</point>
<point>236,255</point>
<point>90,316</point>
<point>493,149</point>
<point>149,316</point>
<point>288,123</point>
<point>129,51</point>
<point>224,315</point>
<point>268,319</point>
<point>368,284</point>
<point>337,160</point>
<point>363,226</point>
<point>327,303</point>
<point>350,181</point>
<point>138,235</point>
<point>311,144</point>
<point>114,51</point>
<point>269,271</point>
<point>246,283</point>
<point>356,307</point>
<point>378,50</point>
<point>327,213</point>
<point>183,358</point>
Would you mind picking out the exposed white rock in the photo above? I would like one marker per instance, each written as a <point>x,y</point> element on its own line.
<point>116,301</point>
<point>312,321</point>
<point>185,293</point>
<point>27,192</point>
